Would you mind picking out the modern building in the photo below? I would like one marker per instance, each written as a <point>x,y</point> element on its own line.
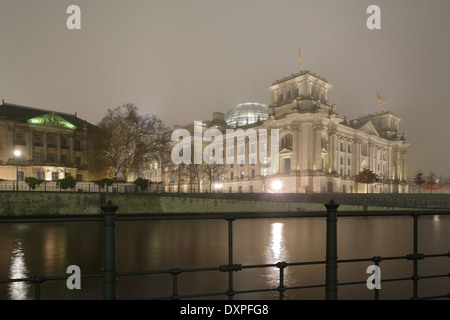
<point>43,144</point>
<point>318,151</point>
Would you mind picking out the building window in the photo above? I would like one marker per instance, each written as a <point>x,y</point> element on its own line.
<point>341,172</point>
<point>364,149</point>
<point>348,161</point>
<point>55,176</point>
<point>77,162</point>
<point>36,157</point>
<point>41,175</point>
<point>64,143</point>
<point>79,177</point>
<point>50,141</point>
<point>287,165</point>
<point>51,157</point>
<point>286,142</point>
<point>20,175</point>
<point>253,174</point>
<point>19,139</point>
<point>64,158</point>
<point>342,147</point>
<point>242,174</point>
<point>37,139</point>
<point>342,160</point>
<point>240,189</point>
<point>231,176</point>
<point>349,149</point>
<point>77,145</point>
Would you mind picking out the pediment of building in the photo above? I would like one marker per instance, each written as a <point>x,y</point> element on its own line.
<point>369,128</point>
<point>51,119</point>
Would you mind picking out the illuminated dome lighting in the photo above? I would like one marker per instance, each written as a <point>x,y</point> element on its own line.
<point>246,113</point>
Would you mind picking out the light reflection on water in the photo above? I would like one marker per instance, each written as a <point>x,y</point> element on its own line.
<point>18,269</point>
<point>277,241</point>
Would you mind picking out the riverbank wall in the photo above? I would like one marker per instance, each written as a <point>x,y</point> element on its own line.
<point>67,203</point>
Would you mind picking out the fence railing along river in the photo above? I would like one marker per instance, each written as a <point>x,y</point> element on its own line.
<point>329,265</point>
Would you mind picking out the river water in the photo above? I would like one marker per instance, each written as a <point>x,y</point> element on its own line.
<point>32,249</point>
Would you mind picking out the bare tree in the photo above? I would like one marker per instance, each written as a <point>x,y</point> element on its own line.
<point>430,181</point>
<point>419,180</point>
<point>177,174</point>
<point>213,172</point>
<point>366,176</point>
<point>129,140</point>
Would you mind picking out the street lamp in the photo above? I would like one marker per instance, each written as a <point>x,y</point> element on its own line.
<point>277,185</point>
<point>17,154</point>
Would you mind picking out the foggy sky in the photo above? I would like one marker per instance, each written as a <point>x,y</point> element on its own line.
<point>185,59</point>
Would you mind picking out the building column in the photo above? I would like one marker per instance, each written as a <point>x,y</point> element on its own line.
<point>317,147</point>
<point>295,166</point>
<point>356,157</point>
<point>44,146</point>
<point>403,164</point>
<point>58,148</point>
<point>29,142</point>
<point>306,150</point>
<point>332,158</point>
<point>71,146</point>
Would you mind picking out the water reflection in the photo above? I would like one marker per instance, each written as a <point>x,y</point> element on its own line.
<point>18,269</point>
<point>277,241</point>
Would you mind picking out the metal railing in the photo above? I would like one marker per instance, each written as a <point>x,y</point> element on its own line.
<point>110,274</point>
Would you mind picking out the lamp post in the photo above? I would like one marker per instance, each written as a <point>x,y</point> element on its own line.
<point>17,154</point>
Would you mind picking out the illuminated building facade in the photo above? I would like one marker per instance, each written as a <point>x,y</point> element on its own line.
<point>43,144</point>
<point>318,151</point>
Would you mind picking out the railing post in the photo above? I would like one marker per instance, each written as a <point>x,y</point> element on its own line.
<point>109,250</point>
<point>331,252</point>
<point>415,277</point>
<point>230,291</point>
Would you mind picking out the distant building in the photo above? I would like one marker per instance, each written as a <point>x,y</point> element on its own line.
<point>318,151</point>
<point>44,144</point>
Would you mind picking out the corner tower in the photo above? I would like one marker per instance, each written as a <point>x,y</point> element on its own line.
<point>303,92</point>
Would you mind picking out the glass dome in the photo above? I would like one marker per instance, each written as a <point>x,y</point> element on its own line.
<point>246,113</point>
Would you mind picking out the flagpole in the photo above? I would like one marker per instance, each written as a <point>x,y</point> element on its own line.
<point>300,59</point>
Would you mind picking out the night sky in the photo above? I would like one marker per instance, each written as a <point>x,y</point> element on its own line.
<point>185,59</point>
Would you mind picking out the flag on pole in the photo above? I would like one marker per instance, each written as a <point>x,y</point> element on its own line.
<point>380,100</point>
<point>299,59</point>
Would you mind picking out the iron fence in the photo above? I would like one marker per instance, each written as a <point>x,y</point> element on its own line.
<point>109,274</point>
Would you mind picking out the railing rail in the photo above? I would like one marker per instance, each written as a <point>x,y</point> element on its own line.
<point>109,272</point>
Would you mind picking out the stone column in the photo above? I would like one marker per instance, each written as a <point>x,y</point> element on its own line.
<point>58,148</point>
<point>71,146</point>
<point>332,158</point>
<point>295,165</point>
<point>356,156</point>
<point>317,128</point>
<point>44,146</point>
<point>306,150</point>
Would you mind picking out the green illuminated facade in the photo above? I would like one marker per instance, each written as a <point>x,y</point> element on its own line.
<point>43,144</point>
